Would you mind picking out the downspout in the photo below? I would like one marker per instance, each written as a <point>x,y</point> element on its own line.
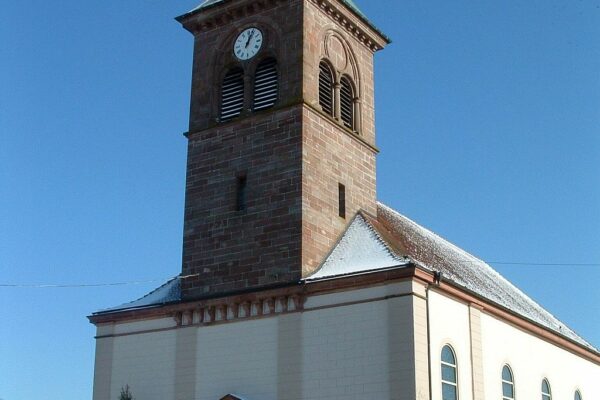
<point>428,340</point>
<point>437,278</point>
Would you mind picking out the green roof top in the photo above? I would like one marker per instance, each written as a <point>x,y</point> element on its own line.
<point>348,3</point>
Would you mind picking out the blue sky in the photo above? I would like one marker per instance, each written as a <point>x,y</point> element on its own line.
<point>488,121</point>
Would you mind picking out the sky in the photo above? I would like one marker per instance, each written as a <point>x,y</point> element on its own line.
<point>488,121</point>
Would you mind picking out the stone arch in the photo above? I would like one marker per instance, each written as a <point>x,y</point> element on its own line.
<point>340,54</point>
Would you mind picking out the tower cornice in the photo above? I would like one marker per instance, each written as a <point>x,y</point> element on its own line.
<point>221,14</point>
<point>355,24</point>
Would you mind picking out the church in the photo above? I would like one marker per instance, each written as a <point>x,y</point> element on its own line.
<point>296,283</point>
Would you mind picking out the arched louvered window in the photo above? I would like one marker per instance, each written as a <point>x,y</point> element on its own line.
<point>449,375</point>
<point>347,102</point>
<point>326,88</point>
<point>266,84</point>
<point>508,384</point>
<point>546,391</point>
<point>232,94</point>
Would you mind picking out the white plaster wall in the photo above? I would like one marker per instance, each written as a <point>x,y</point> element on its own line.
<point>146,362</point>
<point>531,360</point>
<point>349,352</point>
<point>530,357</point>
<point>357,351</point>
<point>449,324</point>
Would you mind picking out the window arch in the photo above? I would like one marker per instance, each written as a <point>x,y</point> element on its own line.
<point>347,102</point>
<point>508,384</point>
<point>546,391</point>
<point>326,88</point>
<point>266,84</point>
<point>578,395</point>
<point>232,94</point>
<point>449,374</point>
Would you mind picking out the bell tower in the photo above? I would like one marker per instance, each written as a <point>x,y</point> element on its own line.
<point>281,141</point>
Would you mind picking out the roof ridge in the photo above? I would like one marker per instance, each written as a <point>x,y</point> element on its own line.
<point>562,327</point>
<point>378,236</point>
<point>454,246</point>
<point>347,245</point>
<point>129,304</point>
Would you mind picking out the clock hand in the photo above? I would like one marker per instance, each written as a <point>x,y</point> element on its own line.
<point>249,38</point>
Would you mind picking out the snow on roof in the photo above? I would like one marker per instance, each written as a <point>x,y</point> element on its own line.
<point>359,250</point>
<point>167,293</point>
<point>392,240</point>
<point>205,4</point>
<point>457,266</point>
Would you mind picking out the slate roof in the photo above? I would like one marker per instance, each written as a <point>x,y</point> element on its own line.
<point>405,238</point>
<point>360,250</point>
<point>169,292</point>
<point>391,240</point>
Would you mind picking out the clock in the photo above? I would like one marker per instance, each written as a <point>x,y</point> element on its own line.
<point>248,44</point>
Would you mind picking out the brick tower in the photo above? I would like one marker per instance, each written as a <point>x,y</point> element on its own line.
<point>281,150</point>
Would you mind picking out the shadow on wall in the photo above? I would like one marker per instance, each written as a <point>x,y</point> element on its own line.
<point>289,357</point>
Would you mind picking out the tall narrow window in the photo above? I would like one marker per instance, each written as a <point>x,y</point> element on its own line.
<point>347,102</point>
<point>546,392</point>
<point>241,201</point>
<point>232,94</point>
<point>326,88</point>
<point>508,384</point>
<point>266,84</point>
<point>449,375</point>
<point>342,200</point>
<point>578,395</point>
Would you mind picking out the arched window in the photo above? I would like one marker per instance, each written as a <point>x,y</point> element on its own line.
<point>449,375</point>
<point>578,395</point>
<point>232,94</point>
<point>347,102</point>
<point>266,85</point>
<point>326,88</point>
<point>508,384</point>
<point>546,392</point>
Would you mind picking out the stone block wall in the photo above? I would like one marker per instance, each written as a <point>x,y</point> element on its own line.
<point>232,250</point>
<point>293,156</point>
<point>331,156</point>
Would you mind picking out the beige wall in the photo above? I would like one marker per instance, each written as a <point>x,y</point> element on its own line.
<point>531,360</point>
<point>449,324</point>
<point>351,345</point>
<point>486,344</point>
<point>362,344</point>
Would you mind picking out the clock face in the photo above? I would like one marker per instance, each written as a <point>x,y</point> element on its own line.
<point>248,44</point>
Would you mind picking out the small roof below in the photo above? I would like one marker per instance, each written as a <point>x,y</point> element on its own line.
<point>434,253</point>
<point>170,292</point>
<point>391,240</point>
<point>360,250</point>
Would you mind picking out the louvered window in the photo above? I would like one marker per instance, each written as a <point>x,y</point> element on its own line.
<point>326,88</point>
<point>266,84</point>
<point>347,103</point>
<point>232,94</point>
